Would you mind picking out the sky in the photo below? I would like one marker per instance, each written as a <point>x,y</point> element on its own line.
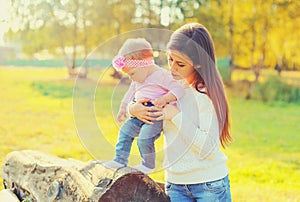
<point>4,25</point>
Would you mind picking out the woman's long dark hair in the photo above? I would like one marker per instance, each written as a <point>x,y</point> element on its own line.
<point>194,41</point>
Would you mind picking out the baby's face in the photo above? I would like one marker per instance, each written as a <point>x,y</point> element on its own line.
<point>138,74</point>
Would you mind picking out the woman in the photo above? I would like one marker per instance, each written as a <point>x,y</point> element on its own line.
<point>195,167</point>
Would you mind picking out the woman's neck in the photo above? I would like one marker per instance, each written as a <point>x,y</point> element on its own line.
<point>190,79</point>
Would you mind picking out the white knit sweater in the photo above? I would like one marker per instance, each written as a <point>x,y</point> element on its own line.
<point>192,142</point>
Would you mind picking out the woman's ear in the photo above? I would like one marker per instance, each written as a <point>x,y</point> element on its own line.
<point>197,66</point>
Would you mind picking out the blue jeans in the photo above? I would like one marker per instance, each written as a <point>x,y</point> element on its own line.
<point>146,134</point>
<point>215,191</point>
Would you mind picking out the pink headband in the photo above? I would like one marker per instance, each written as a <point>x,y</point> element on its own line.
<point>119,62</point>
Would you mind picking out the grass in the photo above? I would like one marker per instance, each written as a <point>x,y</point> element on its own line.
<point>264,158</point>
<point>37,113</point>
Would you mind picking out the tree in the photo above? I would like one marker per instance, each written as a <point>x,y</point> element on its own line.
<point>265,34</point>
<point>61,27</point>
<point>285,34</point>
<point>121,17</point>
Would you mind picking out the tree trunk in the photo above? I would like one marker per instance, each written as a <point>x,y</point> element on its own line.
<point>231,37</point>
<point>39,177</point>
<point>255,67</point>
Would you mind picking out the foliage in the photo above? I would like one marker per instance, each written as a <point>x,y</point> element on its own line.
<point>59,26</point>
<point>213,15</point>
<point>276,89</point>
<point>265,32</point>
<point>224,69</point>
<point>53,89</point>
<point>27,199</point>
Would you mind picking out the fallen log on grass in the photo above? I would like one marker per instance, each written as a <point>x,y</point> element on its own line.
<point>36,176</point>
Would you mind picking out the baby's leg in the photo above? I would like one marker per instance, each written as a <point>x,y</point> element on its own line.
<point>148,134</point>
<point>129,130</point>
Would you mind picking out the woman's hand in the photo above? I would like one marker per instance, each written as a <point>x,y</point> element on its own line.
<point>169,111</point>
<point>143,113</point>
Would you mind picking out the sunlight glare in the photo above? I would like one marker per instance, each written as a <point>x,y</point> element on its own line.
<point>165,16</point>
<point>4,26</point>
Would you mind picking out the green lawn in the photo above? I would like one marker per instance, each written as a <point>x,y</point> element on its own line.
<point>36,113</point>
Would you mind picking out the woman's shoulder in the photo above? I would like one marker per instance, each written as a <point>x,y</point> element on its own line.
<point>201,94</point>
<point>201,97</point>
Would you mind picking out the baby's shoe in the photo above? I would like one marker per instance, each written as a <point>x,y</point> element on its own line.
<point>144,169</point>
<point>113,164</point>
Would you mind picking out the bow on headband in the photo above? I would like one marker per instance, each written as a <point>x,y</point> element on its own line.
<point>119,62</point>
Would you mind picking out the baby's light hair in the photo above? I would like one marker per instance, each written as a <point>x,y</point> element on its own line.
<point>136,49</point>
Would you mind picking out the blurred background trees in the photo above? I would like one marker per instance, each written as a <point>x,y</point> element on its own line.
<point>252,34</point>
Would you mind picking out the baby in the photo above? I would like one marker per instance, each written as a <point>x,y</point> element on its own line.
<point>149,81</point>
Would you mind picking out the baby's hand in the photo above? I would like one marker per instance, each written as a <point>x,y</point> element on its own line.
<point>121,114</point>
<point>160,102</point>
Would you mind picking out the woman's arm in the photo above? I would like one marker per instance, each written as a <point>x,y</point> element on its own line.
<point>203,138</point>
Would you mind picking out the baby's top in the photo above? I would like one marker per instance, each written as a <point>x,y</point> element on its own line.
<point>155,85</point>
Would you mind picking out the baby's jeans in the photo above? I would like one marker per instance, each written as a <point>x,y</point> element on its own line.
<point>146,133</point>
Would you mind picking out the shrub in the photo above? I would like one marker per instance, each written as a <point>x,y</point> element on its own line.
<point>224,69</point>
<point>275,89</point>
<point>240,88</point>
<point>225,73</point>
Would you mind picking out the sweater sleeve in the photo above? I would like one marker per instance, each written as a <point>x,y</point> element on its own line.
<point>202,137</point>
<point>166,81</point>
<point>129,95</point>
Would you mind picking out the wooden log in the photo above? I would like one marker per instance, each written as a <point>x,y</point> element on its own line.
<point>41,177</point>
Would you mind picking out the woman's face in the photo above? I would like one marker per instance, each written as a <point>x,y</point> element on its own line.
<point>181,66</point>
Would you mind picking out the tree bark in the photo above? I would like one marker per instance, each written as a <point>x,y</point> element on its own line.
<point>41,177</point>
<point>231,35</point>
